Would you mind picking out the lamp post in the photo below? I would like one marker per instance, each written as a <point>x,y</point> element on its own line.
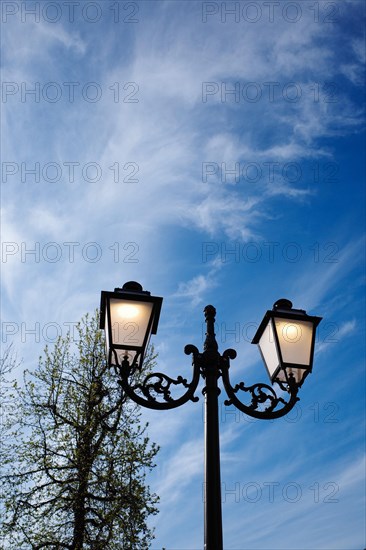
<point>285,338</point>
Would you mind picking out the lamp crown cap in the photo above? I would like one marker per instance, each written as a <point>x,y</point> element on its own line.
<point>282,303</point>
<point>132,286</point>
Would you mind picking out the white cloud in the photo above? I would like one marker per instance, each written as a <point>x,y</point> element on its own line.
<point>325,277</point>
<point>168,142</point>
<point>195,289</point>
<point>344,329</point>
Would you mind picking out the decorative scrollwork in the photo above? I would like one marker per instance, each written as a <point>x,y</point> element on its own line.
<point>154,391</point>
<point>157,386</point>
<point>161,386</point>
<point>261,394</point>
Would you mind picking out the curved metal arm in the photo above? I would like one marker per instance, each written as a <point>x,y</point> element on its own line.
<point>260,394</point>
<point>158,385</point>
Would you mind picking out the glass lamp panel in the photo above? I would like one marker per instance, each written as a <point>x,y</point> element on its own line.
<point>106,329</point>
<point>295,340</point>
<point>298,373</point>
<point>129,321</point>
<point>267,346</point>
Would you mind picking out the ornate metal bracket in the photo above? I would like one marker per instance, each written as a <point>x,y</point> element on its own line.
<point>154,392</point>
<point>261,394</point>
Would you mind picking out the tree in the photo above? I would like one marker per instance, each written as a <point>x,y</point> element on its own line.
<point>75,457</point>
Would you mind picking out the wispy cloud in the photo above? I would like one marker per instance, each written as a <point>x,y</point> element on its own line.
<point>195,289</point>
<point>325,278</point>
<point>345,329</point>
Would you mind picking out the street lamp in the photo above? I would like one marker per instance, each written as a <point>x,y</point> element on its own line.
<point>285,338</point>
<point>129,315</point>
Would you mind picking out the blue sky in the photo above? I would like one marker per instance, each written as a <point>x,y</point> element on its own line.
<point>214,157</point>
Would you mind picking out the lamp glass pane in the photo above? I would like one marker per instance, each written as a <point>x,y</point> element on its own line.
<point>298,373</point>
<point>295,339</point>
<point>106,329</point>
<point>129,321</point>
<point>268,349</point>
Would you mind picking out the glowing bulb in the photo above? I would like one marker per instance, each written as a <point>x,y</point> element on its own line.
<point>291,333</point>
<point>128,312</point>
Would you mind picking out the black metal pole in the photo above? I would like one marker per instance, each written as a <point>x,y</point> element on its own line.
<point>212,486</point>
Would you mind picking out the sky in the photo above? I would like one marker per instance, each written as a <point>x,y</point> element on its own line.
<point>214,152</point>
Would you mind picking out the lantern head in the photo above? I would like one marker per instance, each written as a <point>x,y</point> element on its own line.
<point>286,338</point>
<point>129,316</point>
